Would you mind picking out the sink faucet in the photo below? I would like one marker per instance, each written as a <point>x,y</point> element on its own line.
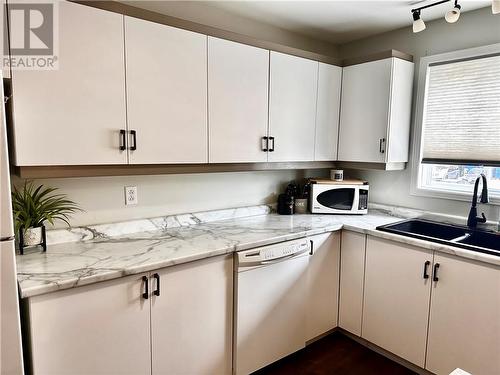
<point>473,219</point>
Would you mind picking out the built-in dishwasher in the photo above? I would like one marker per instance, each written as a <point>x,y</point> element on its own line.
<point>270,304</point>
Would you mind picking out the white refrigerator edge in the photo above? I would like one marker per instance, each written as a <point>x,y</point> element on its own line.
<point>11,356</point>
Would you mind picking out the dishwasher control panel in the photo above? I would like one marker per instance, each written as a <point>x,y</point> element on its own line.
<point>273,252</point>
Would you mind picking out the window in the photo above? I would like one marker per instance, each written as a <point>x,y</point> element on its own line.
<point>458,178</point>
<point>457,130</point>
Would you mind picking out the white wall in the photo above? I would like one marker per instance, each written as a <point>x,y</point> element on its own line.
<point>476,28</point>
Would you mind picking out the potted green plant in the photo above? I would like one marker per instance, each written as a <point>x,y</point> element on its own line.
<point>32,206</point>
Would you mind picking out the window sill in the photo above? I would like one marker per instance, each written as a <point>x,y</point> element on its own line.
<point>451,195</point>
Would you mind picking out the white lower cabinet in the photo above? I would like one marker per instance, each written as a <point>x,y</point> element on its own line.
<point>464,323</point>
<point>352,274</point>
<point>123,327</point>
<point>191,318</point>
<point>99,329</point>
<point>436,311</point>
<point>396,298</point>
<point>323,284</point>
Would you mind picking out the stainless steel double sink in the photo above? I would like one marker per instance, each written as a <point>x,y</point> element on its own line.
<point>482,241</point>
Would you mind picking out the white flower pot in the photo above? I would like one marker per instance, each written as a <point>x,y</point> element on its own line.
<point>32,236</point>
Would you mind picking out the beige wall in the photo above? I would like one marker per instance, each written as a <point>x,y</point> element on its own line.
<point>476,28</point>
<point>199,12</point>
<point>103,198</point>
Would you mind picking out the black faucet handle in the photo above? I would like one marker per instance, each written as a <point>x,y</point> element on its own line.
<point>481,219</point>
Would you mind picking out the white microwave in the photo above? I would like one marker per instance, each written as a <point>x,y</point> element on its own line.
<point>334,198</point>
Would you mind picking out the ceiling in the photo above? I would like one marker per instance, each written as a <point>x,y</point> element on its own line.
<point>336,22</point>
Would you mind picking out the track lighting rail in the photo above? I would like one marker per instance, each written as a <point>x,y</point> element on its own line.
<point>451,16</point>
<point>430,5</point>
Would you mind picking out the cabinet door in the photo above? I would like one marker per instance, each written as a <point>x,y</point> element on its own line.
<point>166,93</point>
<point>400,117</point>
<point>74,114</point>
<point>352,274</point>
<point>237,101</point>
<point>95,329</point>
<point>191,319</point>
<point>396,298</point>
<point>292,107</point>
<point>464,325</point>
<point>327,112</point>
<point>364,117</point>
<point>323,285</point>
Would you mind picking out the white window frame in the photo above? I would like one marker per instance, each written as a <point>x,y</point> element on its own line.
<point>415,189</point>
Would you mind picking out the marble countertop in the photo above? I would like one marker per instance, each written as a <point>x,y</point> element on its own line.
<point>87,255</point>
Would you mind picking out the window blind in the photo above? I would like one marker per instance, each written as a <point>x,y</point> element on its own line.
<point>461,122</point>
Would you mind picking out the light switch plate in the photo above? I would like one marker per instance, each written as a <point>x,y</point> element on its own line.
<point>130,195</point>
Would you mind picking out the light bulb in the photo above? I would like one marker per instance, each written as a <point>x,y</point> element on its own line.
<point>453,15</point>
<point>418,23</point>
<point>495,6</point>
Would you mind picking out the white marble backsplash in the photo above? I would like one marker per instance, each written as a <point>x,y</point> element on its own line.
<point>97,231</point>
<point>101,231</point>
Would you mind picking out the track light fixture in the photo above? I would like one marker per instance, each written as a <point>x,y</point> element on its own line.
<point>451,16</point>
<point>495,6</point>
<point>418,23</point>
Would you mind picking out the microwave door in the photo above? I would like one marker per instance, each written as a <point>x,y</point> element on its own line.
<point>341,199</point>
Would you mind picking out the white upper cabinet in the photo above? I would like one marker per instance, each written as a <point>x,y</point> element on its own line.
<point>73,115</point>
<point>166,70</point>
<point>375,112</point>
<point>292,108</point>
<point>464,325</point>
<point>238,79</point>
<point>327,112</point>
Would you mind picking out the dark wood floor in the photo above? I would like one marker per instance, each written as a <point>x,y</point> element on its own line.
<point>335,354</point>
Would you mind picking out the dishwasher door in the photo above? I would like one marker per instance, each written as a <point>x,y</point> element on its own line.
<point>270,304</point>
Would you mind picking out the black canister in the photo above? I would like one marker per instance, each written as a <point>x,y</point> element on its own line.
<point>286,203</point>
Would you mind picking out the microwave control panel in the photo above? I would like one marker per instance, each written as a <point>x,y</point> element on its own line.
<point>363,199</point>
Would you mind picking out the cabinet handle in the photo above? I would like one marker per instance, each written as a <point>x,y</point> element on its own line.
<point>382,145</point>
<point>265,144</point>
<point>123,140</point>
<point>145,295</point>
<point>435,272</point>
<point>312,247</point>
<point>157,278</point>
<point>271,149</point>
<point>426,268</point>
<point>133,133</point>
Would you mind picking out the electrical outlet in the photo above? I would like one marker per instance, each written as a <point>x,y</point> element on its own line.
<point>130,195</point>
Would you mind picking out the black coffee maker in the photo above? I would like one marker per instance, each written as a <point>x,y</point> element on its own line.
<point>286,201</point>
